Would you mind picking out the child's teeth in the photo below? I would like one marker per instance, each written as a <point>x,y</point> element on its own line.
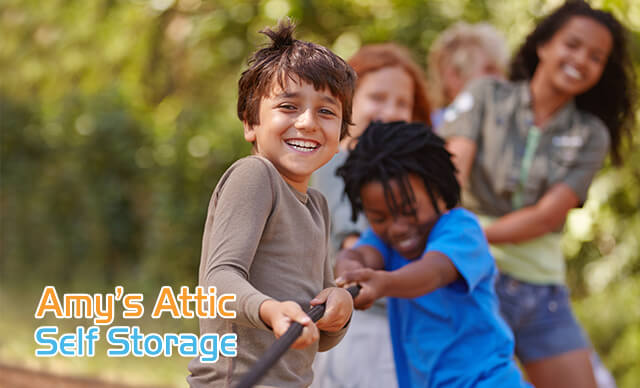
<point>572,72</point>
<point>405,243</point>
<point>302,145</point>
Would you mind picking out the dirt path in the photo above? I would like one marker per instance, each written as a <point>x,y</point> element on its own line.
<point>17,377</point>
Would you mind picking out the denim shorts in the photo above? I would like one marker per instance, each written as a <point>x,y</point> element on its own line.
<point>540,317</point>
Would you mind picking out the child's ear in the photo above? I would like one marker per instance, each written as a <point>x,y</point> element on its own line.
<point>541,51</point>
<point>249,132</point>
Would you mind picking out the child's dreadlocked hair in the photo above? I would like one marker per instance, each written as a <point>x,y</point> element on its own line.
<point>392,151</point>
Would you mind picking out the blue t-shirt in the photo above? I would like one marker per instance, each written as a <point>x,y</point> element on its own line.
<point>453,336</point>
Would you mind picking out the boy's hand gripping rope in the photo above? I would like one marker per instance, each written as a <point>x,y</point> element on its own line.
<point>281,345</point>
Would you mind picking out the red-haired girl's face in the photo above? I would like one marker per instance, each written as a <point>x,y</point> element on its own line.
<point>383,95</point>
<point>574,58</point>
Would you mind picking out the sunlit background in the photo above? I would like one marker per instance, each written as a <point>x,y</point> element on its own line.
<point>117,118</point>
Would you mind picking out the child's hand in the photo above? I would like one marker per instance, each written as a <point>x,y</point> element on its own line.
<point>349,241</point>
<point>346,261</point>
<point>372,282</point>
<point>280,315</point>
<point>338,308</point>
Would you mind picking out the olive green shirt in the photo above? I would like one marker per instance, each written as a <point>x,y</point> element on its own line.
<point>517,163</point>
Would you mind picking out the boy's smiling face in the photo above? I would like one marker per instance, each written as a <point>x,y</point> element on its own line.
<point>407,233</point>
<point>298,130</point>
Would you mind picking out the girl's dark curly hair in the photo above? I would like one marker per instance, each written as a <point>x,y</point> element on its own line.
<point>392,151</point>
<point>612,98</point>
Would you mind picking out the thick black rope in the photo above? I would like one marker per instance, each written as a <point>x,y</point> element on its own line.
<point>283,343</point>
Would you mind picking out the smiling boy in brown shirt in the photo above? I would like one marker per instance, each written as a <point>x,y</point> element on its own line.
<point>266,234</point>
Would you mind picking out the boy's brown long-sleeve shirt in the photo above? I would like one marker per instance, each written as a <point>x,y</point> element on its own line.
<point>262,240</point>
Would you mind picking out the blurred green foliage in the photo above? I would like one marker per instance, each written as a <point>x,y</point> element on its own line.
<point>117,117</point>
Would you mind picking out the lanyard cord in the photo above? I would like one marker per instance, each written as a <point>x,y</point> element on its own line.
<point>533,138</point>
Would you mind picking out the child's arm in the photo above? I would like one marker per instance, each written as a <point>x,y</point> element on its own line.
<point>549,212</point>
<point>545,216</point>
<point>457,250</point>
<point>432,271</point>
<point>237,217</point>
<point>338,307</point>
<point>359,258</point>
<point>463,130</point>
<point>463,152</point>
<point>363,256</point>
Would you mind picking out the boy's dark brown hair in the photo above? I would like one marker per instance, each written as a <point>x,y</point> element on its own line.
<point>287,57</point>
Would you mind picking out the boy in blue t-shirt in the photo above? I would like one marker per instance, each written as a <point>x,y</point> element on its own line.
<point>431,259</point>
